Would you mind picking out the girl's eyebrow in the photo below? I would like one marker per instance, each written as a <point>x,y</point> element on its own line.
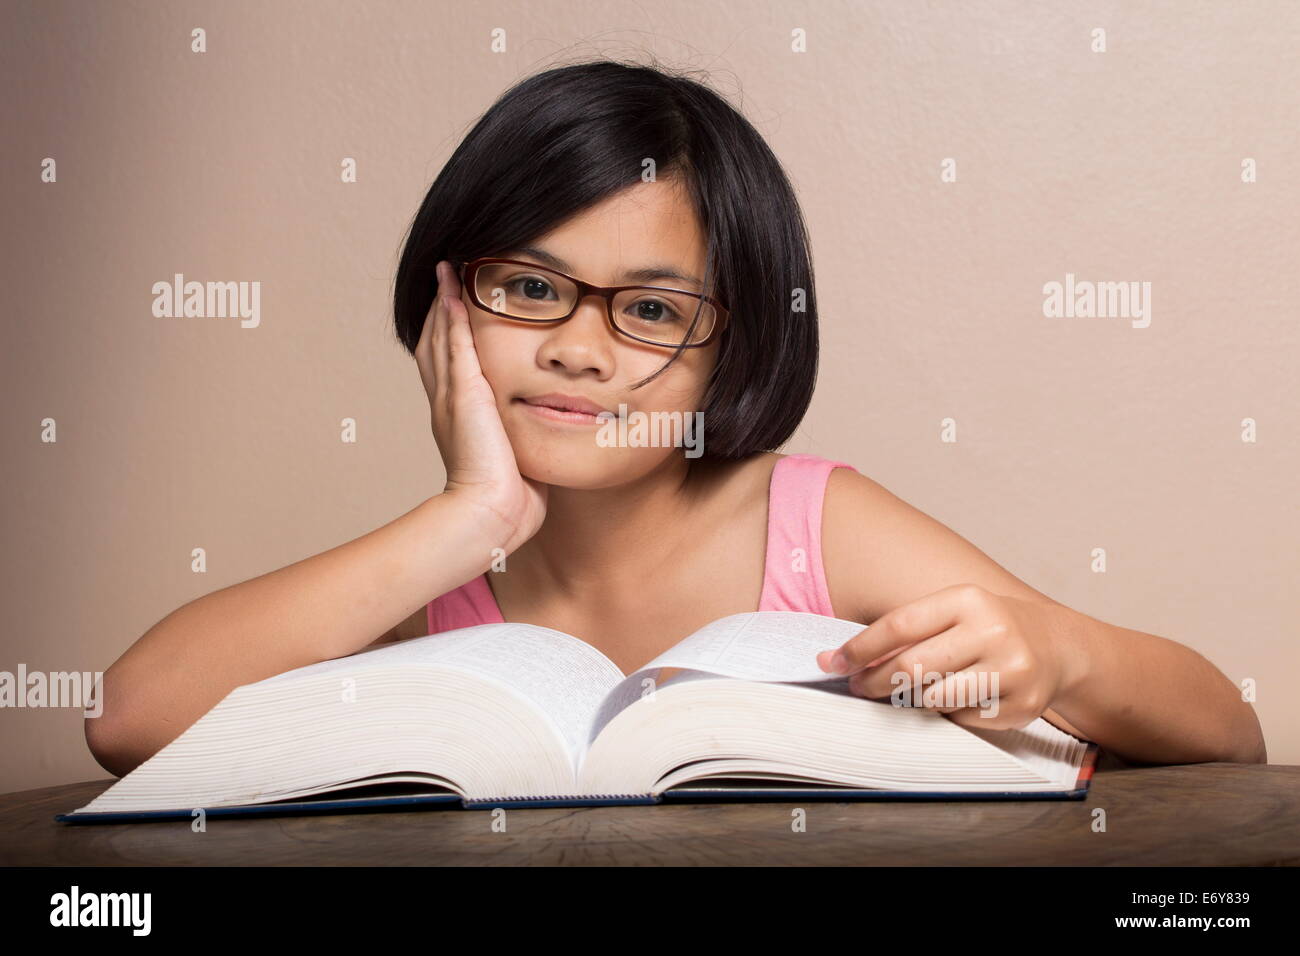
<point>644,274</point>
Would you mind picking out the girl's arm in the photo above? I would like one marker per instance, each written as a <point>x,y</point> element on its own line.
<point>1140,696</point>
<point>336,603</point>
<point>330,605</point>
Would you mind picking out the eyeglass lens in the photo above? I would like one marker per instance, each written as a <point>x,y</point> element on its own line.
<point>525,292</point>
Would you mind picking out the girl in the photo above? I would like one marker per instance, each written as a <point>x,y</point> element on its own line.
<point>612,238</point>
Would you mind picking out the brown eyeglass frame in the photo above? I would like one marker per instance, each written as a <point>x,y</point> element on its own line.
<point>469,269</point>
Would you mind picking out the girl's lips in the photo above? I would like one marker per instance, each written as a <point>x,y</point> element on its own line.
<point>555,415</point>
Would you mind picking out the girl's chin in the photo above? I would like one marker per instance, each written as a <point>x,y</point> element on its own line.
<point>584,466</point>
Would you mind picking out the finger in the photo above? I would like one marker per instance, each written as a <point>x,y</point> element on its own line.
<point>907,624</point>
<point>450,281</point>
<point>968,688</point>
<point>462,355</point>
<point>455,317</point>
<point>946,653</point>
<point>1001,713</point>
<point>424,348</point>
<point>441,363</point>
<point>825,659</point>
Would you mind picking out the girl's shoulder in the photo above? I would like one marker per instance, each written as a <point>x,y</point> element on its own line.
<point>853,526</point>
<point>807,499</point>
<point>881,552</point>
<point>780,479</point>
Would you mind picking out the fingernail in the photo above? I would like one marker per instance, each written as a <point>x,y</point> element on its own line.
<point>829,666</point>
<point>839,663</point>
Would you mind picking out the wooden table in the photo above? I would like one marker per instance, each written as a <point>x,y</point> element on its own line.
<point>1192,815</point>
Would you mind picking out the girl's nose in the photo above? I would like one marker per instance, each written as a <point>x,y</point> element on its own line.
<point>583,340</point>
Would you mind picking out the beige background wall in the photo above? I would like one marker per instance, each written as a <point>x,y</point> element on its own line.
<point>1073,434</point>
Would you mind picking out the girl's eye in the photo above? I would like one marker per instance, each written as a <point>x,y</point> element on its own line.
<point>654,312</point>
<point>531,287</point>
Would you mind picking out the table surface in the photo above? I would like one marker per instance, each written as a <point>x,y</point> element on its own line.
<point>1187,815</point>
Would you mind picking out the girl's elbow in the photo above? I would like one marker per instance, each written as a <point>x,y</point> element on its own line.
<point>111,743</point>
<point>1251,749</point>
<point>105,746</point>
<point>1246,744</point>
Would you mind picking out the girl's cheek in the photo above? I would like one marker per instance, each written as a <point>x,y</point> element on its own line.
<point>496,359</point>
<point>483,340</point>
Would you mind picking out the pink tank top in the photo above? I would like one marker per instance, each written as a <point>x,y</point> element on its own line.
<point>793,576</point>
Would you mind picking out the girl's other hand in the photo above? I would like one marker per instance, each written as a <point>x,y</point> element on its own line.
<point>1002,661</point>
<point>478,456</point>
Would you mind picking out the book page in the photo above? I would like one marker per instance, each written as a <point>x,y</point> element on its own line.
<point>562,676</point>
<point>758,645</point>
<point>761,645</point>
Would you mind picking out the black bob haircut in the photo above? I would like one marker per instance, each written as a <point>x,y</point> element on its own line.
<point>567,138</point>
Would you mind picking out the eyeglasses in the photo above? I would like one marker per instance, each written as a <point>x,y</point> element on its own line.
<point>527,292</point>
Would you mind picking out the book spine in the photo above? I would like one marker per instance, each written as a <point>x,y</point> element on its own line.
<point>558,796</point>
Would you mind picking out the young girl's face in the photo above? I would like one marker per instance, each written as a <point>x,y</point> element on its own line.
<point>648,224</point>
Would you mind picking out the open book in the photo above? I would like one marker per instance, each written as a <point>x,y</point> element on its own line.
<point>516,714</point>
